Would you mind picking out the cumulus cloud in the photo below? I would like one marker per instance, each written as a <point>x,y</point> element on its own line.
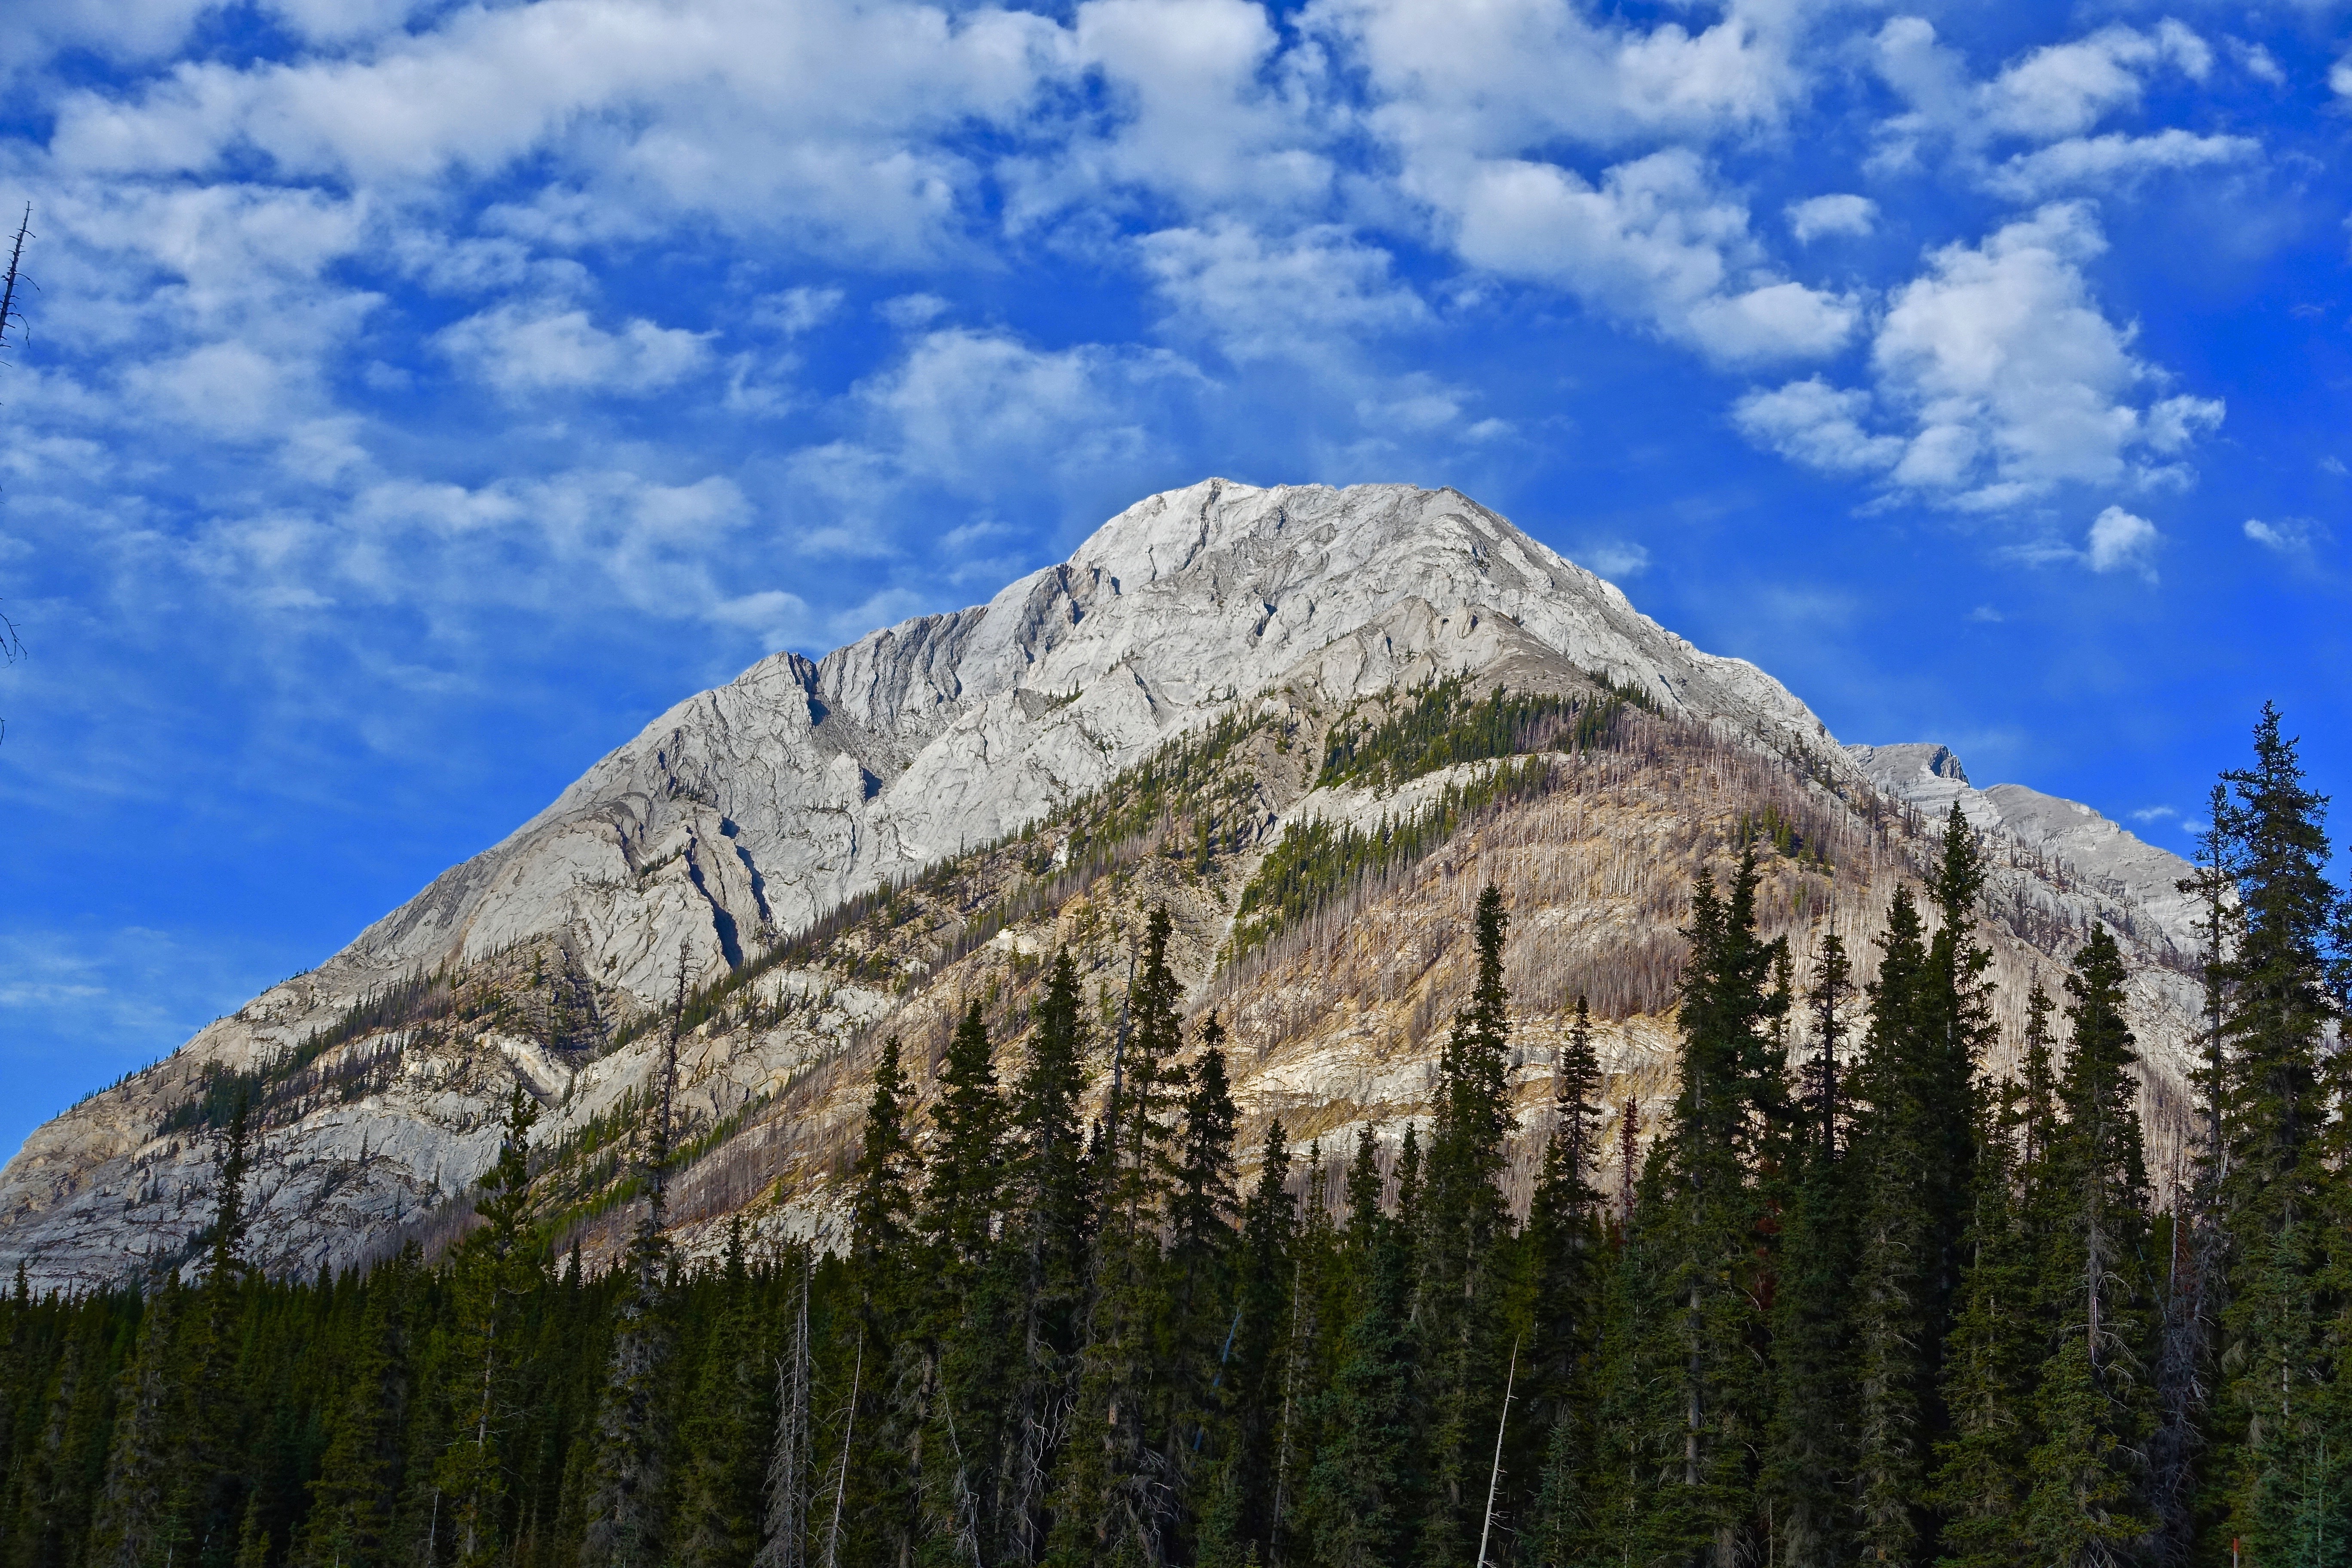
<point>2120,541</point>
<point>1817,215</point>
<point>520,350</point>
<point>1655,241</point>
<point>1996,380</point>
<point>826,118</point>
<point>2053,97</point>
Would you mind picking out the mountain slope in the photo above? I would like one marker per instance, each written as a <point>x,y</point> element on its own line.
<point>1150,721</point>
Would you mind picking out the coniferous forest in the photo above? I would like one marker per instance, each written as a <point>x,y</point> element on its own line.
<point>1858,1299</point>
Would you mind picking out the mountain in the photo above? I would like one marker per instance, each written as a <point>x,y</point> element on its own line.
<point>1311,721</point>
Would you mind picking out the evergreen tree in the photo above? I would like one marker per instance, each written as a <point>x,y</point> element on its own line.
<point>2274,1199</point>
<point>491,1266</point>
<point>1117,1500</point>
<point>2086,1505</point>
<point>877,1452</point>
<point>354,1496</point>
<point>1568,1262</point>
<point>1896,1249</point>
<point>1707,1248</point>
<point>968,1307</point>
<point>1365,1493</point>
<point>1238,1517</point>
<point>719,1513</point>
<point>1811,1444</point>
<point>1462,1267</point>
<point>1051,1225</point>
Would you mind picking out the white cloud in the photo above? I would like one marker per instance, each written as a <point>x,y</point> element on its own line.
<point>1655,242</point>
<point>823,119</point>
<point>2054,94</point>
<point>1260,295</point>
<point>1996,381</point>
<point>2113,161</point>
<point>521,350</point>
<point>2292,536</point>
<point>1817,215</point>
<point>1817,425</point>
<point>2151,814</point>
<point>2256,61</point>
<point>2339,78</point>
<point>2121,542</point>
<point>911,312</point>
<point>966,409</point>
<point>1614,558</point>
<point>796,311</point>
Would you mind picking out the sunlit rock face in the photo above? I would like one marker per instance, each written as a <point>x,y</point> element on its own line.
<point>747,813</point>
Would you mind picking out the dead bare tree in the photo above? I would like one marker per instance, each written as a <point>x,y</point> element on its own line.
<point>11,646</point>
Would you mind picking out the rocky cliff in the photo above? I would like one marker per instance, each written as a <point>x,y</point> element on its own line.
<point>1181,714</point>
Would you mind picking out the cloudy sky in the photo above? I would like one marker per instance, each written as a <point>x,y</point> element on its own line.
<point>421,396</point>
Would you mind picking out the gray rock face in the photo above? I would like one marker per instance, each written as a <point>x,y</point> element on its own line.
<point>2074,837</point>
<point>751,810</point>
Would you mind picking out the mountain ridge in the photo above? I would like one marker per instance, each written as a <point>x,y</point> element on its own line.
<point>746,814</point>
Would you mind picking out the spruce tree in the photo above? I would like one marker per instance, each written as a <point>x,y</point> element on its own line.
<point>490,1268</point>
<point>1708,1247</point>
<point>2086,1508</point>
<point>968,1305</point>
<point>1896,1248</point>
<point>631,1457</point>
<point>1365,1492</point>
<point>878,1457</point>
<point>1051,1225</point>
<point>1237,1518</point>
<point>721,1439</point>
<point>1810,1452</point>
<point>1117,1500</point>
<point>2276,1197</point>
<point>1462,1267</point>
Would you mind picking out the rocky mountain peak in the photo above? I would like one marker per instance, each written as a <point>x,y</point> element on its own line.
<point>852,844</point>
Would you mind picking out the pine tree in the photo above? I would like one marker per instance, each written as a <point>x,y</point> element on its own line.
<point>1896,1249</point>
<point>353,1497</point>
<point>134,1524</point>
<point>1202,1317</point>
<point>1238,1517</point>
<point>719,1513</point>
<point>1051,1225</point>
<point>1811,1444</point>
<point>1116,1502</point>
<point>1567,1263</point>
<point>491,1268</point>
<point>1462,1267</point>
<point>2086,1505</point>
<point>2276,1196</point>
<point>1998,1334</point>
<point>1708,1243</point>
<point>970,1305</point>
<point>877,1452</point>
<point>1364,1492</point>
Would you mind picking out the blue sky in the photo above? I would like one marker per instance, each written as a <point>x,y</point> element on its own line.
<point>420,397</point>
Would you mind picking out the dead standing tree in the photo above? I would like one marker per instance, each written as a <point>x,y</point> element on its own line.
<point>13,320</point>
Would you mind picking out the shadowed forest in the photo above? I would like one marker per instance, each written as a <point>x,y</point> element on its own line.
<point>1859,1300</point>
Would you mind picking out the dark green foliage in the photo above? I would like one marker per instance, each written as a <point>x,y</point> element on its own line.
<point>1864,1304</point>
<point>1316,864</point>
<point>1440,724</point>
